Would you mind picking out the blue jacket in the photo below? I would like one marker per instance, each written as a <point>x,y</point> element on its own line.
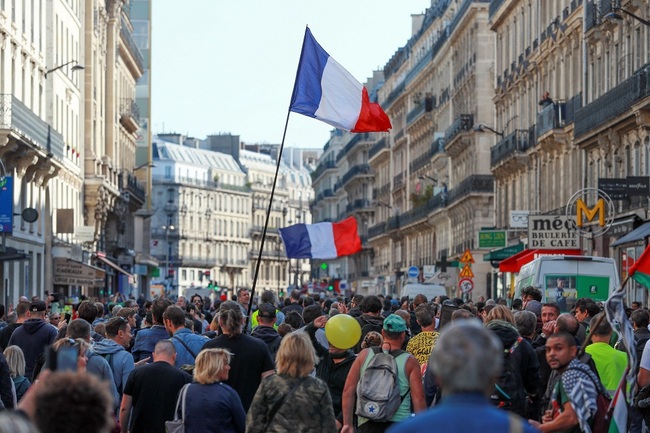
<point>98,366</point>
<point>120,361</point>
<point>451,415</point>
<point>214,408</point>
<point>145,342</point>
<point>193,341</point>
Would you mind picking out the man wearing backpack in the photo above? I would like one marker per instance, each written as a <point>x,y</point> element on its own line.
<point>371,318</point>
<point>386,383</point>
<point>575,395</point>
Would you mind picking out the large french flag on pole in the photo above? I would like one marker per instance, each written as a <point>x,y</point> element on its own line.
<point>325,91</point>
<point>321,240</point>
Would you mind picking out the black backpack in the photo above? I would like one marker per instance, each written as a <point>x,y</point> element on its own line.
<point>508,391</point>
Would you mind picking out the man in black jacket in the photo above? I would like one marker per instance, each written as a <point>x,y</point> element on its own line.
<point>5,333</point>
<point>265,330</point>
<point>333,368</point>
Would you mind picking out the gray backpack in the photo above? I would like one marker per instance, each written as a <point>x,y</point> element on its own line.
<point>378,395</point>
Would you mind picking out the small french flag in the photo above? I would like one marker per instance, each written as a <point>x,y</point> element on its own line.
<point>321,240</point>
<point>325,91</point>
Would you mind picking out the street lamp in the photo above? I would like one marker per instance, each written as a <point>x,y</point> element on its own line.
<point>425,176</point>
<point>613,15</point>
<point>482,128</point>
<point>167,229</point>
<point>381,203</point>
<point>76,67</point>
<point>146,164</point>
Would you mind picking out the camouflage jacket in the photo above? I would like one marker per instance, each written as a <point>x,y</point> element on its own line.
<point>308,409</point>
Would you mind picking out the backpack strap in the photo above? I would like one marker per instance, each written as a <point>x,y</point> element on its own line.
<point>599,389</point>
<point>278,404</point>
<point>185,346</point>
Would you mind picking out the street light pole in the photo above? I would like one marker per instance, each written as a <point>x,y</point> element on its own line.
<point>168,276</point>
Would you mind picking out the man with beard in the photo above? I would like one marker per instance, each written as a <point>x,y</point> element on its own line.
<point>574,398</point>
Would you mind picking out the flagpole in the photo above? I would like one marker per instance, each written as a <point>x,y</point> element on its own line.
<point>266,223</point>
<point>275,180</point>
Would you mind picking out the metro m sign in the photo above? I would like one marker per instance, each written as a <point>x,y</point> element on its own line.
<point>583,210</point>
<point>581,214</point>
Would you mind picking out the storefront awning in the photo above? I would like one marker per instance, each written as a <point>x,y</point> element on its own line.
<point>514,263</point>
<point>11,254</point>
<point>146,259</point>
<point>638,234</point>
<point>113,265</point>
<point>68,272</point>
<point>503,253</point>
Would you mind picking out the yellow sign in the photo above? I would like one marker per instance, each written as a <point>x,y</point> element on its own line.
<point>466,272</point>
<point>590,214</point>
<point>467,257</point>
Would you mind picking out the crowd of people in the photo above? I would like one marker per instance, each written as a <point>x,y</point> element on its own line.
<point>145,366</point>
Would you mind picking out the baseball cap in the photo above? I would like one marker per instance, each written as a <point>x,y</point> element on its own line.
<point>37,306</point>
<point>267,311</point>
<point>394,323</point>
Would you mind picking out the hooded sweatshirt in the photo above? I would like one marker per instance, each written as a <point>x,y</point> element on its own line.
<point>120,361</point>
<point>520,372</point>
<point>32,338</point>
<point>270,336</point>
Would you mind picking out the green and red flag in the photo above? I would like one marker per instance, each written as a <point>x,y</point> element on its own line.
<point>640,270</point>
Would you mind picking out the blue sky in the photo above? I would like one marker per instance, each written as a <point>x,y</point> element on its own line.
<point>224,66</point>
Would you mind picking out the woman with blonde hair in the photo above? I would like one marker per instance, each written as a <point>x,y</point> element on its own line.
<point>211,406</point>
<point>500,312</point>
<point>16,361</point>
<point>275,405</point>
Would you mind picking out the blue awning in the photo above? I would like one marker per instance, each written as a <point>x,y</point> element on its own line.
<point>638,234</point>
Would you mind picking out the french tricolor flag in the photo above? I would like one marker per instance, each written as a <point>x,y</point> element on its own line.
<point>325,91</point>
<point>321,240</point>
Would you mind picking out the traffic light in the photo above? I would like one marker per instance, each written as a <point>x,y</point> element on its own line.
<point>323,266</point>
<point>330,287</point>
<point>212,285</point>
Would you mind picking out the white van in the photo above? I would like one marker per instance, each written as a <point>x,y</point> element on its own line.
<point>563,279</point>
<point>429,290</point>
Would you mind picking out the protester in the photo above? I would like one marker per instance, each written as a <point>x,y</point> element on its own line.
<point>113,349</point>
<point>421,344</point>
<point>187,344</point>
<point>74,402</point>
<point>33,336</point>
<point>292,388</point>
<point>16,362</point>
<point>410,379</point>
<point>333,367</point>
<point>265,329</point>
<point>146,339</point>
<point>7,394</point>
<point>574,395</point>
<point>211,405</point>
<point>151,391</point>
<point>22,314</point>
<point>254,361</point>
<point>611,364</point>
<point>370,319</point>
<point>467,375</point>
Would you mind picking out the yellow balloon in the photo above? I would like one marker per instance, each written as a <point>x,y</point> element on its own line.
<point>342,331</point>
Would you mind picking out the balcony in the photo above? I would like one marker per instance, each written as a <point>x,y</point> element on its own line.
<point>415,113</point>
<point>376,230</point>
<point>393,223</point>
<point>398,181</point>
<point>324,194</point>
<point>572,106</point>
<point>477,183</point>
<point>352,143</point>
<point>361,170</point>
<point>196,262</point>
<point>438,146</point>
<point>379,192</point>
<point>130,115</point>
<point>29,128</point>
<point>378,147</point>
<point>613,104</point>
<point>136,189</point>
<point>512,146</point>
<point>359,204</point>
<point>322,168</point>
<point>130,44</point>
<point>392,96</point>
<point>463,123</point>
<point>551,117</point>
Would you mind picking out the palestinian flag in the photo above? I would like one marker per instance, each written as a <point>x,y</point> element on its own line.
<point>640,270</point>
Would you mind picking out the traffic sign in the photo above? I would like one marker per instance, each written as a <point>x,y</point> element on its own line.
<point>413,272</point>
<point>467,257</point>
<point>466,285</point>
<point>466,272</point>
